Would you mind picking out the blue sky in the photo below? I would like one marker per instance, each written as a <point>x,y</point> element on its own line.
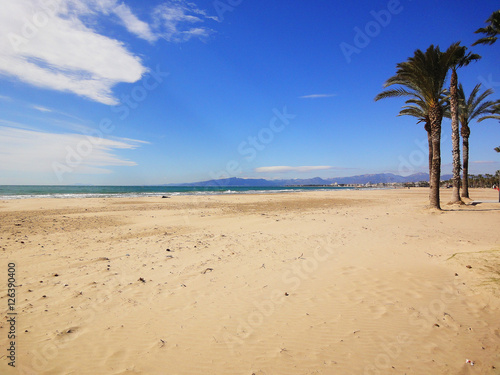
<point>133,92</point>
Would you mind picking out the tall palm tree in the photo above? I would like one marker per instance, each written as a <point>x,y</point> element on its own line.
<point>423,76</point>
<point>491,31</point>
<point>460,59</point>
<point>473,107</point>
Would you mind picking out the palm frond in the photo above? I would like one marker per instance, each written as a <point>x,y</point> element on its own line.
<point>493,112</point>
<point>423,74</point>
<point>475,106</point>
<point>394,93</point>
<point>491,31</point>
<point>489,117</point>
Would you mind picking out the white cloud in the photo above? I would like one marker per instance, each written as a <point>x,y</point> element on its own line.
<point>317,96</point>
<point>15,124</point>
<point>291,169</point>
<point>41,109</point>
<point>484,162</point>
<point>133,24</point>
<point>27,150</point>
<point>134,140</point>
<point>50,47</point>
<point>5,98</point>
<point>175,21</point>
<point>73,126</point>
<point>54,44</point>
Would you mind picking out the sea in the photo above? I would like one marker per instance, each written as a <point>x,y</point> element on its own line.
<point>58,191</point>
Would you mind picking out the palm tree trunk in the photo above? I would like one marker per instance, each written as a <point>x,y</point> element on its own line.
<point>455,137</point>
<point>465,144</point>
<point>465,182</point>
<point>427,127</point>
<point>435,117</point>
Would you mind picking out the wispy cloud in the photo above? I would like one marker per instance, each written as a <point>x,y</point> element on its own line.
<point>35,151</point>
<point>317,96</point>
<point>278,169</point>
<point>41,109</point>
<point>5,98</point>
<point>133,140</point>
<point>134,24</point>
<point>65,52</point>
<point>73,126</point>
<point>15,124</point>
<point>484,162</point>
<point>179,21</point>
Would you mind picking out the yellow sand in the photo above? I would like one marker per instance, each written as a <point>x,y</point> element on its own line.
<point>336,282</point>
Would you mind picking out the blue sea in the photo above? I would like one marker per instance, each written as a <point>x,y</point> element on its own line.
<point>46,191</point>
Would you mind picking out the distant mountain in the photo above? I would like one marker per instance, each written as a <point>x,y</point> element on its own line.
<point>361,179</point>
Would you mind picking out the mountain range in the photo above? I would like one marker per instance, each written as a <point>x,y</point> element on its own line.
<point>360,179</point>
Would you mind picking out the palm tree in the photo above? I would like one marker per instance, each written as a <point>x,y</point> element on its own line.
<point>422,77</point>
<point>491,31</point>
<point>473,107</point>
<point>460,59</point>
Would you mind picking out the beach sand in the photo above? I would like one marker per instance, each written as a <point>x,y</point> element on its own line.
<point>332,282</point>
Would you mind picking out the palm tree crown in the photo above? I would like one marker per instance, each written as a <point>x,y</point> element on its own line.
<point>418,110</point>
<point>491,31</point>
<point>421,76</point>
<point>461,57</point>
<point>474,106</point>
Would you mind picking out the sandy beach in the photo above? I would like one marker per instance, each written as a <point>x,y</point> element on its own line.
<point>334,282</point>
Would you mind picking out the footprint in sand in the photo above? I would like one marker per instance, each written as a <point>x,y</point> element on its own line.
<point>377,311</point>
<point>69,334</point>
<point>449,322</point>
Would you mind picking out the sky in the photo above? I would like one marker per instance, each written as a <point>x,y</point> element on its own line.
<point>110,92</point>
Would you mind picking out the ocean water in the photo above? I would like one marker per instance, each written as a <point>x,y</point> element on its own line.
<point>46,191</point>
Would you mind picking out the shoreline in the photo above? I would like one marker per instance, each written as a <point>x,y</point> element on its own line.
<point>178,191</point>
<point>353,282</point>
<point>224,192</point>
